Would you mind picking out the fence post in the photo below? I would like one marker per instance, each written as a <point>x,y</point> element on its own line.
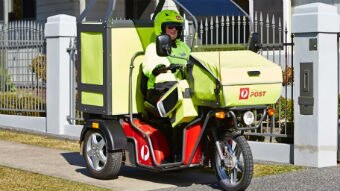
<point>59,31</point>
<point>316,28</point>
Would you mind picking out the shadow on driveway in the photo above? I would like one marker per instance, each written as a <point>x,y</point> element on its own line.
<point>180,178</point>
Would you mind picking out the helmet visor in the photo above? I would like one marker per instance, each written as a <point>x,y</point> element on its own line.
<point>171,25</point>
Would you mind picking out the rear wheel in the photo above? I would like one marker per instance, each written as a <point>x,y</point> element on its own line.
<point>235,169</point>
<point>100,163</point>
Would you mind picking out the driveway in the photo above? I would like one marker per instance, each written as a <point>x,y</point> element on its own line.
<point>71,166</point>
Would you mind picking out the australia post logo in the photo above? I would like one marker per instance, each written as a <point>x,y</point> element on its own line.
<point>246,93</point>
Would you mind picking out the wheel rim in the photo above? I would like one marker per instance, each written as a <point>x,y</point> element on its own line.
<point>96,151</point>
<point>231,168</point>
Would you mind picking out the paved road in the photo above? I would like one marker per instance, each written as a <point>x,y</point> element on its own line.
<point>70,165</point>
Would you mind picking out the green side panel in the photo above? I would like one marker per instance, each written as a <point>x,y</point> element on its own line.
<point>211,60</point>
<point>204,81</point>
<point>185,112</point>
<point>146,35</point>
<point>125,43</point>
<point>91,66</point>
<point>137,95</point>
<point>204,84</point>
<point>90,98</point>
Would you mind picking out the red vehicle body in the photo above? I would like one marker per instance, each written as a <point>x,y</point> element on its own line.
<point>153,155</point>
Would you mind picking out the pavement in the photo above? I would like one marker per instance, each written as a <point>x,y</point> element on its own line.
<point>71,166</point>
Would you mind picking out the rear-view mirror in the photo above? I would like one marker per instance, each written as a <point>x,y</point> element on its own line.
<point>163,45</point>
<point>254,42</point>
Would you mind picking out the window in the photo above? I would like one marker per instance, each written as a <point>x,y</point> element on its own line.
<point>243,4</point>
<point>139,9</point>
<point>270,7</point>
<point>23,9</point>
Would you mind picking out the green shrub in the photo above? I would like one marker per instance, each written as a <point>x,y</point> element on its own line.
<point>6,83</point>
<point>224,47</point>
<point>38,66</point>
<point>288,76</point>
<point>285,119</point>
<point>21,104</point>
<point>289,130</point>
<point>281,105</point>
<point>339,106</point>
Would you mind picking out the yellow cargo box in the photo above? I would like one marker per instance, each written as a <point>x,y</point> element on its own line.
<point>104,64</point>
<point>246,79</point>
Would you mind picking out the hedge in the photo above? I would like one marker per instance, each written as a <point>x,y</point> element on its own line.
<point>228,47</point>
<point>13,103</point>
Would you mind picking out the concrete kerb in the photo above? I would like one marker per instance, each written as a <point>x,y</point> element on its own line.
<point>34,132</point>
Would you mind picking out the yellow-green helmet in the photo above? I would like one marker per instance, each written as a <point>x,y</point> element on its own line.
<point>167,17</point>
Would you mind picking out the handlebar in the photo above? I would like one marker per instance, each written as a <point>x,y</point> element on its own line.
<point>174,67</point>
<point>161,68</point>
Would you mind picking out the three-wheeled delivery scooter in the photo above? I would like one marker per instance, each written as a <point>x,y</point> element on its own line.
<point>224,93</point>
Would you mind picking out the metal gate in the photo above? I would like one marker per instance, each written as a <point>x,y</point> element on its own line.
<point>22,68</point>
<point>280,127</point>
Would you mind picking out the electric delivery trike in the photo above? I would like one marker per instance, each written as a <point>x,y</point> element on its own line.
<point>224,93</point>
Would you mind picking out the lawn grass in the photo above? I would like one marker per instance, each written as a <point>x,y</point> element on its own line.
<point>39,140</point>
<point>272,169</point>
<point>19,180</point>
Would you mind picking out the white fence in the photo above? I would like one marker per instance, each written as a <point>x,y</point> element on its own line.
<point>22,68</point>
<point>236,29</point>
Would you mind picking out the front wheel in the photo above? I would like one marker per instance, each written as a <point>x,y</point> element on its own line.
<point>234,169</point>
<point>100,163</point>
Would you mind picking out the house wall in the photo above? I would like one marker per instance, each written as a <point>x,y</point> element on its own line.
<point>49,8</point>
<point>303,2</point>
<point>100,8</point>
<point>72,7</point>
<point>1,9</point>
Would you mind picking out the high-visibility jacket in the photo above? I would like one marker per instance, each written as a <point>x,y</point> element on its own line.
<point>179,55</point>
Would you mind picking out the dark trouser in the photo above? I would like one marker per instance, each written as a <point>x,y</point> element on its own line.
<point>153,95</point>
<point>176,143</point>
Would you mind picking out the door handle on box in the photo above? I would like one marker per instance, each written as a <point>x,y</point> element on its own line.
<point>254,73</point>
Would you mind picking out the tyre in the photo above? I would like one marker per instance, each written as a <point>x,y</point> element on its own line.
<point>235,170</point>
<point>100,163</point>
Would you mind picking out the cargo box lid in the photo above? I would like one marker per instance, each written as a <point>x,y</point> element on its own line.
<point>246,67</point>
<point>241,67</point>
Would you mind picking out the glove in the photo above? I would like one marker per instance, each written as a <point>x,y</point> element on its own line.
<point>174,67</point>
<point>160,68</point>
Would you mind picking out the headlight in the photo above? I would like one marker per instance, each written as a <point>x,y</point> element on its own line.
<point>248,117</point>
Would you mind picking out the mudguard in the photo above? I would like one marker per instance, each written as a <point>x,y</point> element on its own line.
<point>111,130</point>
